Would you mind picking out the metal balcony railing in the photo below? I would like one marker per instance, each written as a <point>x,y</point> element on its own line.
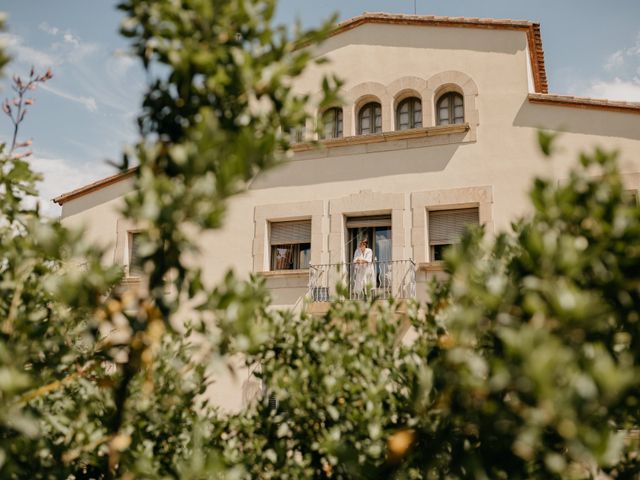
<point>379,280</point>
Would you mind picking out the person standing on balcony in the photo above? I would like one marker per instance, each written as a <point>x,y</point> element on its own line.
<point>363,270</point>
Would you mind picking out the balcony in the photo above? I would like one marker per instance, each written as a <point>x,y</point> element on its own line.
<point>378,281</point>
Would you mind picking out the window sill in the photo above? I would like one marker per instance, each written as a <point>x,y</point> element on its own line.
<point>435,266</point>
<point>415,133</point>
<point>284,273</point>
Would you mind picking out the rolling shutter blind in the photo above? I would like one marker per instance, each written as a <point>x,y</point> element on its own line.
<point>288,233</point>
<point>447,226</point>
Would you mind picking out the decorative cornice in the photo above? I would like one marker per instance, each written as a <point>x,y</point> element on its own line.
<point>382,137</point>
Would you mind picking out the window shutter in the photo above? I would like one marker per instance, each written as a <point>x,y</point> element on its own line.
<point>447,226</point>
<point>288,233</point>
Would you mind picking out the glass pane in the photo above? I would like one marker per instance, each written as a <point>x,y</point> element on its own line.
<point>378,119</point>
<point>328,123</point>
<point>383,244</point>
<point>304,255</point>
<point>443,110</point>
<point>438,252</point>
<point>402,116</point>
<point>383,258</point>
<point>457,100</point>
<point>365,125</point>
<point>338,130</point>
<point>282,257</point>
<point>417,115</point>
<point>459,111</point>
<point>365,120</point>
<point>403,120</point>
<point>328,131</point>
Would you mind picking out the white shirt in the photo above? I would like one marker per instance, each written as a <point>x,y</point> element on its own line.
<point>367,256</point>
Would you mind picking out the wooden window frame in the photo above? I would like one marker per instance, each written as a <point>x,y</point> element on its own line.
<point>337,127</point>
<point>411,101</point>
<point>371,108</point>
<point>451,120</point>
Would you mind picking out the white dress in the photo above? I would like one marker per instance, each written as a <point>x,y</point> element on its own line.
<point>363,272</point>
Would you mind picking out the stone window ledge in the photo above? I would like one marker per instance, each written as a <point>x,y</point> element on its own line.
<point>435,266</point>
<point>284,273</point>
<point>415,133</point>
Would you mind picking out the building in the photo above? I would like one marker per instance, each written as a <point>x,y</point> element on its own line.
<point>438,130</point>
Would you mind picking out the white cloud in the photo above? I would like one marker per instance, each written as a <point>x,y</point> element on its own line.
<point>619,79</point>
<point>25,54</point>
<point>45,27</point>
<point>119,65</point>
<point>616,89</point>
<point>70,38</point>
<point>61,176</point>
<point>69,49</point>
<point>88,102</point>
<point>615,60</point>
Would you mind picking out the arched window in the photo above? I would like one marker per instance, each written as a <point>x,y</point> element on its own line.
<point>332,123</point>
<point>450,109</point>
<point>370,119</point>
<point>409,114</point>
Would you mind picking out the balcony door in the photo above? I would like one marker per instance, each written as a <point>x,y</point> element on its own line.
<point>377,231</point>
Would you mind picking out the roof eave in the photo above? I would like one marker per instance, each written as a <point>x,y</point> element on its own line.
<point>78,192</point>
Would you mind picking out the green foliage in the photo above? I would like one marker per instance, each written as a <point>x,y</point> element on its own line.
<point>101,382</point>
<point>216,113</point>
<point>342,386</point>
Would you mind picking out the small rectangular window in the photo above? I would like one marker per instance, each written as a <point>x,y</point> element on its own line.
<point>290,245</point>
<point>134,265</point>
<point>446,227</point>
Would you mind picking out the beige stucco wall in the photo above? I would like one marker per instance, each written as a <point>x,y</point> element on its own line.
<point>491,165</point>
<point>490,67</point>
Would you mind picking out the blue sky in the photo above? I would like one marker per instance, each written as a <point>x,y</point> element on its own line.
<point>86,114</point>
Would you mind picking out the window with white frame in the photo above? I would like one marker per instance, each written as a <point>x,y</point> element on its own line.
<point>134,263</point>
<point>290,245</point>
<point>446,228</point>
